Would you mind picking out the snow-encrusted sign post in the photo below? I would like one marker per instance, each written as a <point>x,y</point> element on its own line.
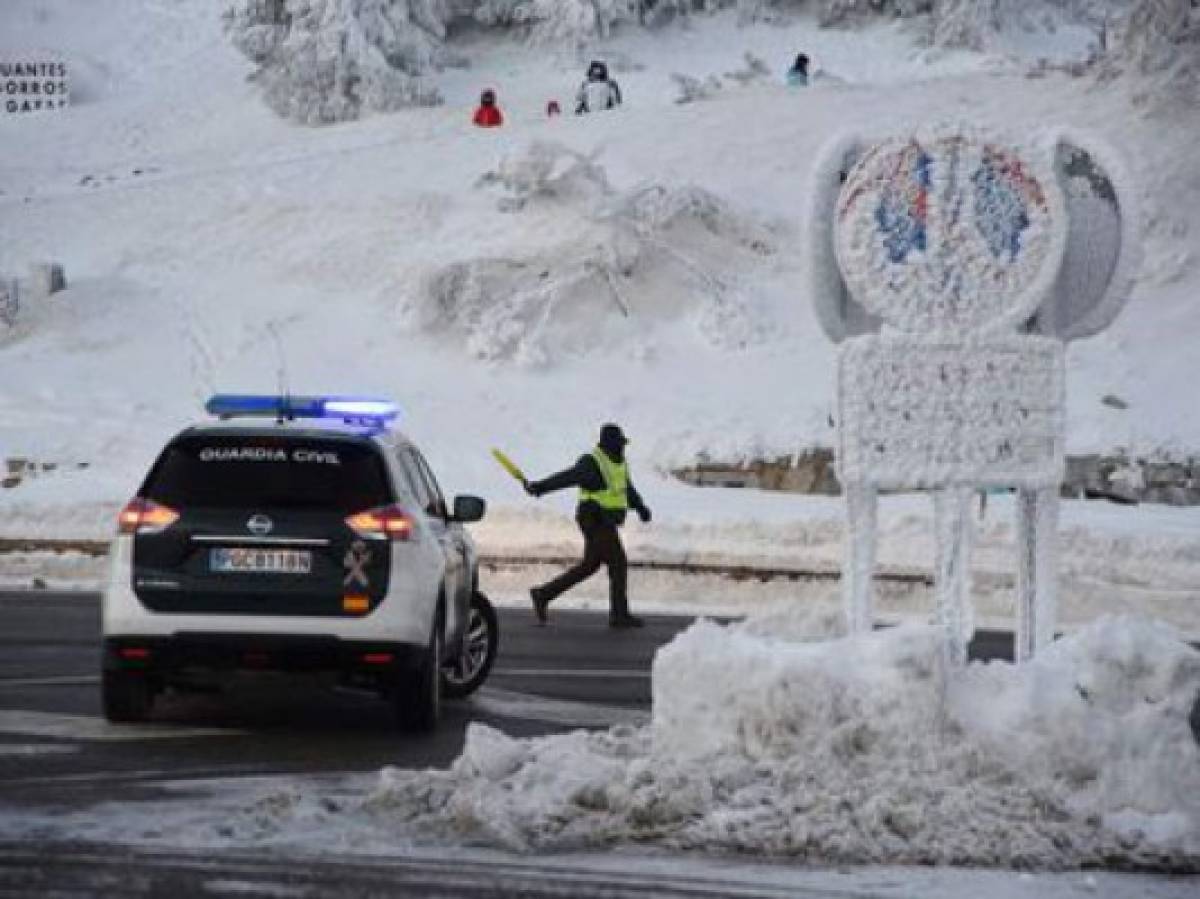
<point>941,255</point>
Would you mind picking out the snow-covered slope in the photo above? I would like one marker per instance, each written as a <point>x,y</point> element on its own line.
<point>195,226</point>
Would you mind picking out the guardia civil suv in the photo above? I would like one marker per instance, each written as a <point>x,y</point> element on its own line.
<point>295,534</point>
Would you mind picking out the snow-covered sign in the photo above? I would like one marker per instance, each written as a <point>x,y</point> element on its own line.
<point>919,413</point>
<point>33,82</point>
<point>961,244</point>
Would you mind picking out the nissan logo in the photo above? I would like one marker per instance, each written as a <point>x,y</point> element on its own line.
<point>259,525</point>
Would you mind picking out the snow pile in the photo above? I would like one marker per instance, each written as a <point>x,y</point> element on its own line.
<point>627,261</point>
<point>547,170</point>
<point>323,61</point>
<point>767,738</point>
<point>692,89</point>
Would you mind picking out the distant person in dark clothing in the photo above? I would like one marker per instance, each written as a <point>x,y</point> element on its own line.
<point>598,91</point>
<point>488,114</point>
<point>605,495</point>
<point>797,75</point>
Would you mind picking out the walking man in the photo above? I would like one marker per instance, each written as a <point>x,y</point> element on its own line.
<point>605,495</point>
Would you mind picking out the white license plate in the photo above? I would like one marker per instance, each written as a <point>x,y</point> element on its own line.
<point>261,561</point>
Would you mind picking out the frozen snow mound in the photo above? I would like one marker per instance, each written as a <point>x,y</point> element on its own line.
<point>856,750</point>
<point>322,61</point>
<point>627,262</point>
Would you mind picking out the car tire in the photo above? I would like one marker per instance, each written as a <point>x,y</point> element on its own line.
<point>127,696</point>
<point>418,699</point>
<point>466,673</point>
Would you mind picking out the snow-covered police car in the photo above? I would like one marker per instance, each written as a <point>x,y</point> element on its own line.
<point>296,534</point>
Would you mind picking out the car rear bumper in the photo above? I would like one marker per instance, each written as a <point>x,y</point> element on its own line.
<point>202,651</point>
<point>404,616</point>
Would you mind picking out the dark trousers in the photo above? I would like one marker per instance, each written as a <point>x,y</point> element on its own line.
<point>601,546</point>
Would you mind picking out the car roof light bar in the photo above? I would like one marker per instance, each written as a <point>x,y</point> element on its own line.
<point>368,411</point>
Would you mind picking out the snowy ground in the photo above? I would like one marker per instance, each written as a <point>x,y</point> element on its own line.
<point>195,227</point>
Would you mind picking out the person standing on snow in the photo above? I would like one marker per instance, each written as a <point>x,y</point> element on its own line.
<point>488,114</point>
<point>797,75</point>
<point>598,91</point>
<point>605,495</point>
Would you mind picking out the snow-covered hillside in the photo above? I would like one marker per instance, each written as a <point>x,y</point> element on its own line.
<point>518,286</point>
<point>658,280</point>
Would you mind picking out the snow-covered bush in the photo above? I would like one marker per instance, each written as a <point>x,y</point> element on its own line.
<point>692,89</point>
<point>559,23</point>
<point>546,169</point>
<point>1161,40</point>
<point>325,61</point>
<point>965,23</point>
<point>653,254</point>
<point>756,69</point>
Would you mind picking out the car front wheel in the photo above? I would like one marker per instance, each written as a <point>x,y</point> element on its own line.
<point>465,674</point>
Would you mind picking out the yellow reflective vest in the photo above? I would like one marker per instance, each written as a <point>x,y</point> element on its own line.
<point>613,497</point>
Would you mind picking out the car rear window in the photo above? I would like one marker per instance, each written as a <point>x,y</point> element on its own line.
<point>262,471</point>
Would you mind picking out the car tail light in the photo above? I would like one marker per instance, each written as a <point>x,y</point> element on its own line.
<point>144,516</point>
<point>389,522</point>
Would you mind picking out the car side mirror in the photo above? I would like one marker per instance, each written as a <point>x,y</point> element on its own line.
<point>468,509</point>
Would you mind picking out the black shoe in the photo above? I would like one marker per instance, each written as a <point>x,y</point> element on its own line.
<point>625,621</point>
<point>540,601</point>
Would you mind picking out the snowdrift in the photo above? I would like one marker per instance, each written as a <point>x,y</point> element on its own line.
<point>778,737</point>
<point>632,261</point>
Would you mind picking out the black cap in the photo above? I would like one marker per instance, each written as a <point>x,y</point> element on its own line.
<point>612,435</point>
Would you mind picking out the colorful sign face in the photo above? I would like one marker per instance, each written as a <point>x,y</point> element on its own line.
<point>948,234</point>
<point>33,82</point>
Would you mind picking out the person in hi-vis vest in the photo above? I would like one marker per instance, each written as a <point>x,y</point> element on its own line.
<point>606,494</point>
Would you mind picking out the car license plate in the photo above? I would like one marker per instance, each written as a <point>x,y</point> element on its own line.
<point>261,561</point>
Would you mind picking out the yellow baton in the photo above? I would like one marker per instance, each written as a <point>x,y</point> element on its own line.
<point>508,465</point>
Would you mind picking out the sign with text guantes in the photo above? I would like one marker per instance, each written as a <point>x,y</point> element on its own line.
<point>33,82</point>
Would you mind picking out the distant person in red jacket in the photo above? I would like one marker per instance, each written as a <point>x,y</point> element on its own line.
<point>488,113</point>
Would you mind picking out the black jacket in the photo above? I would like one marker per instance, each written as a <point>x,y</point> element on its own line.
<point>586,474</point>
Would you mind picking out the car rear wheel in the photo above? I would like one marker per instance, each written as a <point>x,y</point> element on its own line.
<point>418,699</point>
<point>127,696</point>
<point>466,673</point>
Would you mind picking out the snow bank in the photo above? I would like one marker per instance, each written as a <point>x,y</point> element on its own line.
<point>614,266</point>
<point>773,738</point>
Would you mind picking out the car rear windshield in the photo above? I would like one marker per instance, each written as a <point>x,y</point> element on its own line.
<point>269,472</point>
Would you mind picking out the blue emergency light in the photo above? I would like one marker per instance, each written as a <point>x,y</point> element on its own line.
<point>368,411</point>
